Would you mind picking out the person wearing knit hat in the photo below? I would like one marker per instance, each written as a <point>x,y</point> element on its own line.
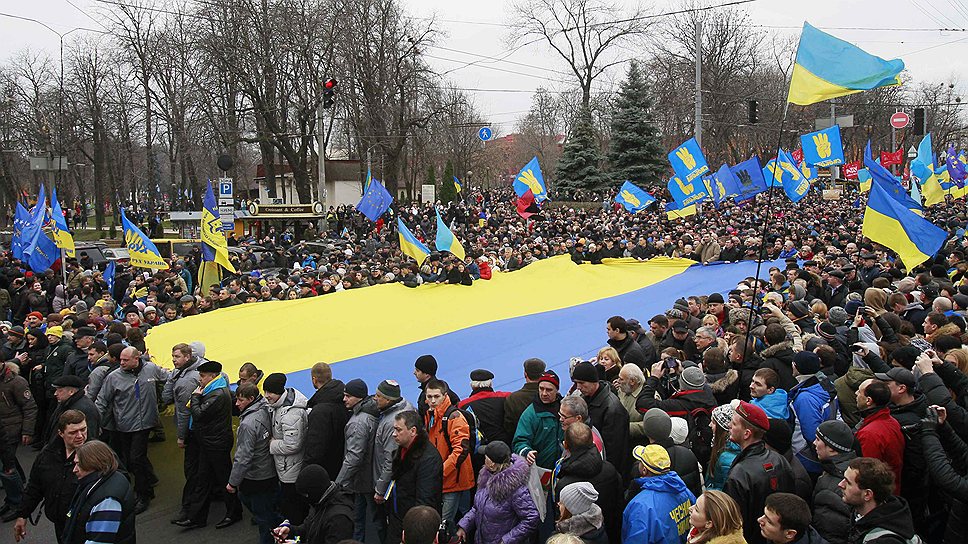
<point>691,378</point>
<point>274,383</point>
<point>758,471</point>
<point>287,410</point>
<point>579,515</point>
<point>425,371</point>
<point>584,372</point>
<point>389,389</point>
<point>356,388</point>
<point>605,408</point>
<point>659,512</point>
<point>56,331</point>
<point>680,431</point>
<point>837,316</point>
<point>724,450</point>
<point>539,434</point>
<point>835,450</point>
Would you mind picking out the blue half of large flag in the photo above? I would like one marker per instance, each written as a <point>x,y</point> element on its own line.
<point>633,198</point>
<point>375,201</point>
<point>749,175</point>
<point>827,67</point>
<point>891,224</point>
<point>823,148</point>
<point>530,177</point>
<point>141,250</point>
<point>62,234</point>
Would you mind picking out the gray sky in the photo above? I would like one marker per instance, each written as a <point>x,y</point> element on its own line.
<point>477,28</point>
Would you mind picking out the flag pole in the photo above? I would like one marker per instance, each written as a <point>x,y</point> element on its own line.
<point>64,266</point>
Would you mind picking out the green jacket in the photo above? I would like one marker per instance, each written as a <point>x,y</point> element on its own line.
<point>539,429</point>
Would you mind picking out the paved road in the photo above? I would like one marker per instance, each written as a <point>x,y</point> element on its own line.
<point>153,525</point>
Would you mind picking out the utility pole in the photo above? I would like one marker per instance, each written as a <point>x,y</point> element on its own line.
<point>699,82</point>
<point>321,163</point>
<point>834,170</point>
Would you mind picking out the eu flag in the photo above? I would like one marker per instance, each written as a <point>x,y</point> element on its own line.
<point>530,177</point>
<point>21,218</point>
<point>375,202</point>
<point>823,148</point>
<point>633,198</point>
<point>749,175</point>
<point>35,224</point>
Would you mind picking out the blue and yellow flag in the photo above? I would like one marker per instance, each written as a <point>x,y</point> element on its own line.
<point>675,211</point>
<point>633,198</point>
<point>688,162</point>
<point>783,171</point>
<point>530,177</point>
<point>922,172</point>
<point>864,178</point>
<point>62,235</point>
<point>375,201</point>
<point>687,194</point>
<point>366,182</point>
<point>749,175</point>
<point>143,252</point>
<point>214,246</point>
<point>722,185</point>
<point>891,224</point>
<point>823,148</point>
<point>410,245</point>
<point>891,185</point>
<point>457,184</point>
<point>828,67</point>
<point>446,241</point>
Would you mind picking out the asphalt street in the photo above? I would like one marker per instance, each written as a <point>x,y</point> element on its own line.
<point>153,525</point>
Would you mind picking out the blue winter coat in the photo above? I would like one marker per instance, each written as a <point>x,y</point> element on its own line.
<point>717,479</point>
<point>775,404</point>
<point>660,511</point>
<point>503,511</point>
<point>810,404</point>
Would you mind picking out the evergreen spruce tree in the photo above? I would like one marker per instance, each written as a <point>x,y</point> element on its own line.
<point>635,150</point>
<point>580,164</point>
<point>447,190</point>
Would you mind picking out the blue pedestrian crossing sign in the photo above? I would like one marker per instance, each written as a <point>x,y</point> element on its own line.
<point>485,134</point>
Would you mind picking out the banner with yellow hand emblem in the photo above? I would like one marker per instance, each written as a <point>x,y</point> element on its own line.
<point>688,161</point>
<point>823,148</point>
<point>530,177</point>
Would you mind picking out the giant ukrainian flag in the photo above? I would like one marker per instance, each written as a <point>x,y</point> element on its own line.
<point>891,224</point>
<point>828,67</point>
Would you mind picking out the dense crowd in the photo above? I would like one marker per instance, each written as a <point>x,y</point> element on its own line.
<point>827,402</point>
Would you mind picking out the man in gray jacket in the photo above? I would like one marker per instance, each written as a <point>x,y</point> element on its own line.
<point>287,406</point>
<point>253,470</point>
<point>178,390</point>
<point>129,395</point>
<point>390,403</point>
<point>355,474</point>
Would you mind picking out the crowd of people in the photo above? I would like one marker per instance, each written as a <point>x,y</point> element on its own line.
<point>827,402</point>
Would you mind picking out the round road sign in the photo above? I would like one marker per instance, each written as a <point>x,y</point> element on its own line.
<point>900,120</point>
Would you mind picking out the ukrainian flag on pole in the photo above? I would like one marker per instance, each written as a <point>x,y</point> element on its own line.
<point>446,241</point>
<point>143,252</point>
<point>828,67</point>
<point>457,184</point>
<point>410,245</point>
<point>891,224</point>
<point>214,246</point>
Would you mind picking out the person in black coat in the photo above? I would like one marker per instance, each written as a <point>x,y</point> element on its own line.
<point>946,456</point>
<point>694,402</point>
<point>835,449</point>
<point>52,480</point>
<point>606,413</point>
<point>69,392</point>
<point>583,463</point>
<point>779,356</point>
<point>326,423</point>
<point>331,514</point>
<point>418,473</point>
<point>658,428</point>
<point>210,440</point>
<point>628,349</point>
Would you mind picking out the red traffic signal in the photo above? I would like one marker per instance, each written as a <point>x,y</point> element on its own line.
<point>329,91</point>
<point>330,83</point>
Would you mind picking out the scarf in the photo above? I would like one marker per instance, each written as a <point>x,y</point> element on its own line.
<point>212,386</point>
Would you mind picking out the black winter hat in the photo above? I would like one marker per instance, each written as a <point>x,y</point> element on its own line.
<point>584,372</point>
<point>426,364</point>
<point>274,383</point>
<point>356,388</point>
<point>313,481</point>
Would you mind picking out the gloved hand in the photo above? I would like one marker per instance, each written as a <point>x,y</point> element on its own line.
<point>931,420</point>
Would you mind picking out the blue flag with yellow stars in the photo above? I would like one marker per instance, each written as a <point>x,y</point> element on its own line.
<point>375,201</point>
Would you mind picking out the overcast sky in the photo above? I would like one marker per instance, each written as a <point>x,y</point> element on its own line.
<point>472,28</point>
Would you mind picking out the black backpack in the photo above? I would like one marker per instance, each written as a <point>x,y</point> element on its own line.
<point>474,440</point>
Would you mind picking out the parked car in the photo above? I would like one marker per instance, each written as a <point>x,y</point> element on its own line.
<point>117,254</point>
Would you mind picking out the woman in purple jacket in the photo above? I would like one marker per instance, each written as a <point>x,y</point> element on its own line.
<point>503,512</point>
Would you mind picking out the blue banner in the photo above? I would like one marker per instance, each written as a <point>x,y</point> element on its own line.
<point>722,185</point>
<point>749,175</point>
<point>20,220</point>
<point>823,148</point>
<point>783,171</point>
<point>530,177</point>
<point>688,161</point>
<point>633,198</point>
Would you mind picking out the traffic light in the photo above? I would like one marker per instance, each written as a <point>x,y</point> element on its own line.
<point>329,93</point>
<point>751,106</point>
<point>919,125</point>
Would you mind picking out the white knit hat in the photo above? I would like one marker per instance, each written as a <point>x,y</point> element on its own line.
<point>680,430</point>
<point>578,497</point>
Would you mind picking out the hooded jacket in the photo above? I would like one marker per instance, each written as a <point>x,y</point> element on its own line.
<point>252,458</point>
<point>330,520</point>
<point>356,473</point>
<point>18,411</point>
<point>78,401</point>
<point>892,515</point>
<point>780,359</point>
<point>914,483</point>
<point>847,386</point>
<point>288,433</point>
<point>589,526</point>
<point>586,465</point>
<point>325,425</point>
<point>810,403</point>
<point>724,385</point>
<point>716,480</point>
<point>831,515</point>
<point>503,510</point>
<point>757,472</point>
<point>659,512</point>
<point>384,446</point>
<point>130,397</point>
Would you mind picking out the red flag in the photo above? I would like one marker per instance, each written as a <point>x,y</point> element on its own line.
<point>798,156</point>
<point>850,170</point>
<point>526,205</point>
<point>890,159</point>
